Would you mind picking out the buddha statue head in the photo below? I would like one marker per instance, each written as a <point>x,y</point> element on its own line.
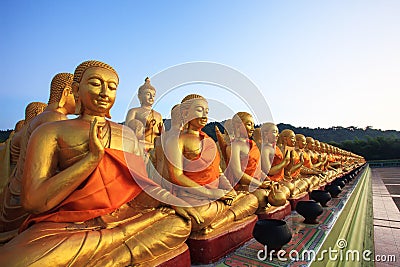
<point>243,125</point>
<point>33,109</point>
<point>317,146</point>
<point>194,111</point>
<point>61,92</point>
<point>300,141</point>
<point>287,138</point>
<point>98,92</point>
<point>269,133</point>
<point>19,125</point>
<point>146,94</point>
<point>322,147</point>
<point>310,143</point>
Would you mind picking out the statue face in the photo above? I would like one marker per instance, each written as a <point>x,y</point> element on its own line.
<point>248,124</point>
<point>97,90</point>
<point>272,135</point>
<point>146,97</point>
<point>317,146</point>
<point>310,145</point>
<point>197,114</point>
<point>322,147</point>
<point>301,142</point>
<point>291,139</point>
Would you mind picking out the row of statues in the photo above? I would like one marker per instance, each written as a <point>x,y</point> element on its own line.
<point>89,191</point>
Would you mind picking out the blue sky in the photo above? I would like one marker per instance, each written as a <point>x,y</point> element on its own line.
<point>317,63</point>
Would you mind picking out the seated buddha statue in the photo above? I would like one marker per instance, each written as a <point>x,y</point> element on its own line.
<point>194,167</point>
<point>244,165</point>
<point>161,167</point>
<point>87,206</point>
<point>273,162</point>
<point>321,159</point>
<point>151,119</point>
<point>61,103</point>
<point>306,170</point>
<point>286,142</point>
<point>31,110</point>
<point>6,166</point>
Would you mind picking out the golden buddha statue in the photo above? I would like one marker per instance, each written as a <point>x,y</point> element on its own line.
<point>162,174</point>
<point>286,142</point>
<point>273,162</point>
<point>151,119</point>
<point>61,103</point>
<point>306,170</point>
<point>193,161</point>
<point>31,110</point>
<point>244,166</point>
<point>6,165</point>
<point>87,207</point>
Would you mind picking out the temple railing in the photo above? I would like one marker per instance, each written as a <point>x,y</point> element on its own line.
<point>351,240</point>
<point>384,163</point>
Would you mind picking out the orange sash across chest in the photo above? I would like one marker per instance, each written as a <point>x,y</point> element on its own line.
<point>204,169</point>
<point>110,185</point>
<point>296,160</point>
<point>278,158</point>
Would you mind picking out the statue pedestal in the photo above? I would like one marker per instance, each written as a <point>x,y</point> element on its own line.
<point>300,197</point>
<point>277,213</point>
<point>177,257</point>
<point>210,248</point>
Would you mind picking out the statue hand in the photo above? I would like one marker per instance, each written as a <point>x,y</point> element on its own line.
<point>229,197</point>
<point>96,148</point>
<point>187,212</point>
<point>266,184</point>
<point>287,157</point>
<point>301,158</point>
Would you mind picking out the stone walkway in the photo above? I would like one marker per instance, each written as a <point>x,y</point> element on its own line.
<point>385,187</point>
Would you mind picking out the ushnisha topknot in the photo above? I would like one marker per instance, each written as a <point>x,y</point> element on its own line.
<point>90,64</point>
<point>19,125</point>
<point>33,109</point>
<point>58,84</point>
<point>146,85</point>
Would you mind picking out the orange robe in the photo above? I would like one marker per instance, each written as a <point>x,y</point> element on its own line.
<point>307,160</point>
<point>111,185</point>
<point>278,158</point>
<point>296,160</point>
<point>204,169</point>
<point>249,164</point>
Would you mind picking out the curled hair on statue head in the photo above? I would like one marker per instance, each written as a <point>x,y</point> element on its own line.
<point>59,82</point>
<point>33,109</point>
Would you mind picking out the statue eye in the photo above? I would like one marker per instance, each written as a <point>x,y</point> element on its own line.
<point>112,86</point>
<point>95,82</point>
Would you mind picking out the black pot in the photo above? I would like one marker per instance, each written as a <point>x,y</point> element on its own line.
<point>339,183</point>
<point>272,233</point>
<point>334,190</point>
<point>310,210</point>
<point>321,196</point>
